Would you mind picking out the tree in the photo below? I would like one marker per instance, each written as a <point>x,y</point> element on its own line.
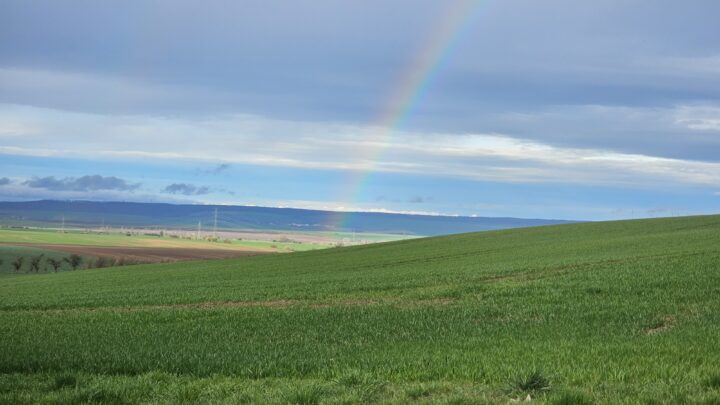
<point>17,263</point>
<point>54,263</point>
<point>35,262</point>
<point>74,261</point>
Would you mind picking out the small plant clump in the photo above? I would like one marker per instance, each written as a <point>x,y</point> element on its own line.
<point>534,382</point>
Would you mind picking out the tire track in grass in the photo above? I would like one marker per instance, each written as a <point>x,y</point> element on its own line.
<point>213,305</point>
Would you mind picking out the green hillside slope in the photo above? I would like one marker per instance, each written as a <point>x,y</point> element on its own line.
<point>597,312</point>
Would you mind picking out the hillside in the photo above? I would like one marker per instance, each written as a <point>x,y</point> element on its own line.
<point>154,215</point>
<point>608,312</point>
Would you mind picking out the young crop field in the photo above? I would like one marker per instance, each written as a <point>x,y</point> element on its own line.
<point>607,312</point>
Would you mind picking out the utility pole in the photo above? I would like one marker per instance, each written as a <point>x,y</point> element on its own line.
<point>215,224</point>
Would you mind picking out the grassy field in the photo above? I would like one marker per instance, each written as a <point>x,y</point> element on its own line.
<point>615,312</point>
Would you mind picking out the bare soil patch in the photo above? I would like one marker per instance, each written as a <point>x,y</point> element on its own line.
<point>213,305</point>
<point>146,254</point>
<point>664,324</point>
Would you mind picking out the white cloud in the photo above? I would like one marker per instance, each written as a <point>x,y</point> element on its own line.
<point>247,139</point>
<point>344,207</point>
<point>700,118</point>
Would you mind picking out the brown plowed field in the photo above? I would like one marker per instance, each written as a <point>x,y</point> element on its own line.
<point>145,254</point>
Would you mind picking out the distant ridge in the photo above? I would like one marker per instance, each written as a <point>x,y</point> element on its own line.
<point>232,217</point>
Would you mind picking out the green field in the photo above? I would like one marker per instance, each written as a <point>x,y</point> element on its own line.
<point>614,312</point>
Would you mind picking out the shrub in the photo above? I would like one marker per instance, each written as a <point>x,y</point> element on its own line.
<point>102,262</point>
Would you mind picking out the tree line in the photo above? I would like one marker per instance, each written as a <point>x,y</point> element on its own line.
<point>38,263</point>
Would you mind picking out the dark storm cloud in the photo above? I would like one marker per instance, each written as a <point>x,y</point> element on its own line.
<point>4,181</point>
<point>84,183</point>
<point>186,189</point>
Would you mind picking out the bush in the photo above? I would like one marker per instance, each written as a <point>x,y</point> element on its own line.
<point>101,262</point>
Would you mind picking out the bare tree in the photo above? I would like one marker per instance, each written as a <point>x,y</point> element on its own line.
<point>74,261</point>
<point>54,263</point>
<point>35,262</point>
<point>18,263</point>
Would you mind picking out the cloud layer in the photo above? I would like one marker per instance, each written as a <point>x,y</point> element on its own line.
<point>260,141</point>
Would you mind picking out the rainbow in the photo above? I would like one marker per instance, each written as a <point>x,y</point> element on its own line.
<point>403,99</point>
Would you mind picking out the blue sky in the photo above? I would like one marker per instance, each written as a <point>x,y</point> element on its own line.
<point>555,109</point>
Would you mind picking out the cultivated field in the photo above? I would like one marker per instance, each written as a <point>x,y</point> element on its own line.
<point>117,239</point>
<point>133,247</point>
<point>616,312</point>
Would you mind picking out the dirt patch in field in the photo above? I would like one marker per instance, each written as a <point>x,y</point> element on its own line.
<point>664,324</point>
<point>279,304</point>
<point>146,254</point>
<point>214,305</point>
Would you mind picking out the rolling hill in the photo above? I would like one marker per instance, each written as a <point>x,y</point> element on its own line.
<point>607,312</point>
<point>154,215</point>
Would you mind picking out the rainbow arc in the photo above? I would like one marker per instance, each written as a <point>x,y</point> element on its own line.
<point>402,100</point>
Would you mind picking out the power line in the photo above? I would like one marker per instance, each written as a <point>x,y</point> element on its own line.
<point>215,224</point>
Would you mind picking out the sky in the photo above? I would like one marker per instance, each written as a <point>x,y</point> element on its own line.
<point>565,109</point>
